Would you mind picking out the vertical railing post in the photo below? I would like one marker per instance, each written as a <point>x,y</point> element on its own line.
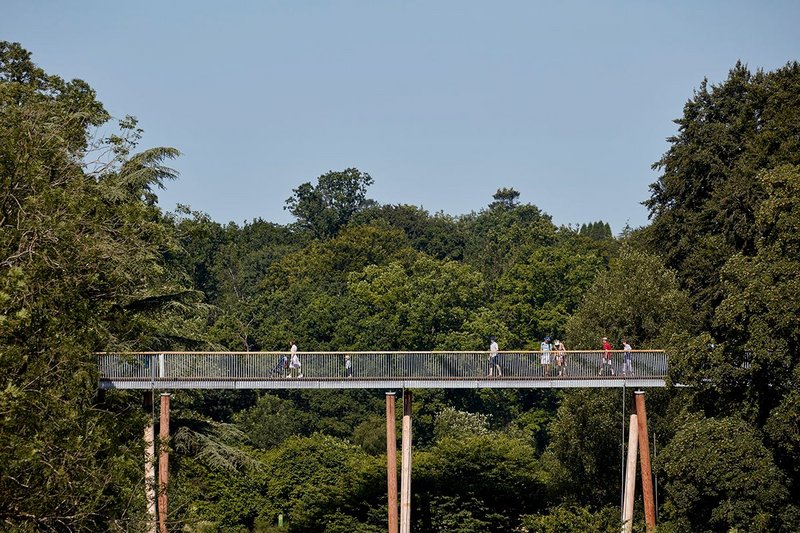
<point>391,462</point>
<point>644,458</point>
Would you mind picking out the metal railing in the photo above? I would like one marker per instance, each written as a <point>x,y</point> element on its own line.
<point>509,365</point>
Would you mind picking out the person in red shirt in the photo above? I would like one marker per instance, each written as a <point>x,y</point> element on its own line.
<point>606,363</point>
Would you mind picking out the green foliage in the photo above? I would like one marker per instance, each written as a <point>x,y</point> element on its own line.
<point>370,435</point>
<point>303,295</point>
<point>272,420</point>
<point>315,477</point>
<point>453,423</point>
<point>583,456</point>
<point>637,299</point>
<point>598,231</point>
<point>718,476</point>
<point>498,237</point>
<point>704,204</point>
<point>328,207</point>
<point>505,198</point>
<point>753,363</point>
<point>413,305</point>
<point>537,295</point>
<point>227,265</point>
<point>87,264</point>
<point>213,499</point>
<point>440,235</point>
<point>573,519</point>
<point>783,431</point>
<point>217,482</point>
<point>483,482</point>
<point>760,311</point>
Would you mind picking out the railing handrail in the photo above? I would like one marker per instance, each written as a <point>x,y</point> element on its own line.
<point>375,352</point>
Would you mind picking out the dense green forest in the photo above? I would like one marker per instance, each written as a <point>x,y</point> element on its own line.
<point>90,262</point>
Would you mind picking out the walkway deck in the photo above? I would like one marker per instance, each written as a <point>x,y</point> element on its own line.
<point>376,370</point>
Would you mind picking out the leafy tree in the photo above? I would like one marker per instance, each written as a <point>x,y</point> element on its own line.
<point>371,434</point>
<point>505,198</point>
<point>582,457</point>
<point>704,203</point>
<point>200,239</point>
<point>598,231</point>
<point>453,423</point>
<point>217,481</point>
<point>483,483</point>
<point>753,369</point>
<point>637,299</point>
<point>304,295</point>
<point>719,476</point>
<point>537,295</point>
<point>272,420</point>
<point>753,364</point>
<point>573,519</point>
<point>87,264</point>
<point>326,208</point>
<point>784,438</point>
<point>413,306</point>
<point>440,235</point>
<point>498,237</point>
<point>316,480</point>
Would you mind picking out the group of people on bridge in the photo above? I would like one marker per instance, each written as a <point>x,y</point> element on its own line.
<point>552,354</point>
<point>555,352</point>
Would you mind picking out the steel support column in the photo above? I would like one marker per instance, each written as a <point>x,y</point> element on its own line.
<point>163,463</point>
<point>405,485</point>
<point>630,475</point>
<point>644,459</point>
<point>391,461</point>
<point>149,464</point>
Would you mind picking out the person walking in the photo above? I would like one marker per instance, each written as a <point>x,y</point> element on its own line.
<point>627,365</point>
<point>348,366</point>
<point>494,365</point>
<point>294,363</point>
<point>606,365</point>
<point>561,358</point>
<point>544,357</point>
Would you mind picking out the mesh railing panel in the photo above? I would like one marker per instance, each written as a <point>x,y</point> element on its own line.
<point>378,365</point>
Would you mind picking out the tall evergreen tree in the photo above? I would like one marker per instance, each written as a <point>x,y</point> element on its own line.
<point>704,203</point>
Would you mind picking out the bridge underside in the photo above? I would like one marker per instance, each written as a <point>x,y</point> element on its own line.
<point>382,383</point>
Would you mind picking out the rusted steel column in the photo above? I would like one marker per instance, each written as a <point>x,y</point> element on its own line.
<point>391,461</point>
<point>163,463</point>
<point>630,475</point>
<point>149,465</point>
<point>405,485</point>
<point>644,459</point>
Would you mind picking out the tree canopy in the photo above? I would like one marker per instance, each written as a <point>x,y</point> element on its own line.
<point>89,262</point>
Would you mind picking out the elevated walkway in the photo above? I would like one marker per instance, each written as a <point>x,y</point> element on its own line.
<point>376,370</point>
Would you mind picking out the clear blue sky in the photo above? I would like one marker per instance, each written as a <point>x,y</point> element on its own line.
<point>442,102</point>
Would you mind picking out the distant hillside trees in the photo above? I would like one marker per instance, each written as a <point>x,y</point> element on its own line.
<point>599,231</point>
